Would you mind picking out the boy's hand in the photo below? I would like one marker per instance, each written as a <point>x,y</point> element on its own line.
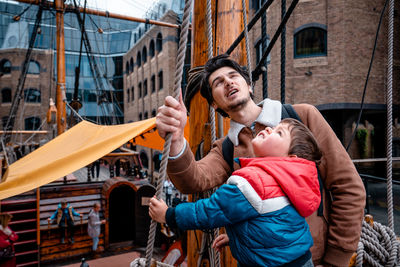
<point>157,210</point>
<point>220,242</point>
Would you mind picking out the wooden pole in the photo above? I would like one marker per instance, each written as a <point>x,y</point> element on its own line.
<point>227,25</point>
<point>60,89</point>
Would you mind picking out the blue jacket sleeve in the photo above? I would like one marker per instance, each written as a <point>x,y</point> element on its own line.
<point>54,215</point>
<point>74,212</point>
<point>225,207</point>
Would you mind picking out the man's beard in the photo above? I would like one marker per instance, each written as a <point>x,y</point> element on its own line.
<point>238,105</point>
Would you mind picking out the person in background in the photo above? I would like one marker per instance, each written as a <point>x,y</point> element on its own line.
<point>94,225</point>
<point>168,191</point>
<point>65,219</point>
<point>176,200</point>
<point>7,239</point>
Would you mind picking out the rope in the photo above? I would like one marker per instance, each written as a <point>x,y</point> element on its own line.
<point>389,103</point>
<point>283,53</point>
<point>167,144</point>
<point>378,246</point>
<point>264,47</point>
<point>246,37</point>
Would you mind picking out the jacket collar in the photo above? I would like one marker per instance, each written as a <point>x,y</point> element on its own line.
<point>270,115</point>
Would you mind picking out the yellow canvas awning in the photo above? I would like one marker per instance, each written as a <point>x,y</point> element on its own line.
<point>151,139</point>
<point>68,152</point>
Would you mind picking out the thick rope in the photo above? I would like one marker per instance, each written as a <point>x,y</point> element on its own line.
<point>283,54</point>
<point>378,246</point>
<point>389,102</point>
<point>246,37</point>
<point>167,144</point>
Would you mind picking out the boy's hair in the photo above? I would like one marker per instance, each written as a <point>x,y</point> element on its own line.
<point>96,205</point>
<point>212,65</point>
<point>63,203</point>
<point>303,143</point>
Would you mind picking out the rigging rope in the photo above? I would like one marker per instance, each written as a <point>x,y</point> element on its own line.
<point>378,246</point>
<point>167,144</point>
<point>246,37</point>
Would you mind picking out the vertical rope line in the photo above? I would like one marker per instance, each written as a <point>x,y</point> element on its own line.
<point>283,53</point>
<point>264,48</point>
<point>246,37</point>
<point>167,144</point>
<point>216,255</point>
<point>389,102</point>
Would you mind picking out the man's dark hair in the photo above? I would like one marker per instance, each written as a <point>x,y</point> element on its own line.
<point>212,65</point>
<point>303,143</point>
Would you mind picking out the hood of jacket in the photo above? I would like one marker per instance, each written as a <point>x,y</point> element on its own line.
<point>297,177</point>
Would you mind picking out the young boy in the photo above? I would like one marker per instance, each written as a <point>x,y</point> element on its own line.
<point>264,204</point>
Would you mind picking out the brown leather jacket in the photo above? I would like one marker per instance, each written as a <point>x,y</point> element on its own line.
<point>336,234</point>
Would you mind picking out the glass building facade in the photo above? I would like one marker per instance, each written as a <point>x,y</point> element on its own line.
<point>100,92</point>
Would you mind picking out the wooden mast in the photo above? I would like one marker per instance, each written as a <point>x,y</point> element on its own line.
<point>227,25</point>
<point>60,89</point>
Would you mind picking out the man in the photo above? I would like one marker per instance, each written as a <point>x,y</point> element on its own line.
<point>226,86</point>
<point>65,219</point>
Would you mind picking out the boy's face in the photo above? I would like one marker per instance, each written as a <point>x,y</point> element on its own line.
<point>272,142</point>
<point>229,89</point>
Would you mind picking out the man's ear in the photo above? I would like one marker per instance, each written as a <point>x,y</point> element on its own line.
<point>292,156</point>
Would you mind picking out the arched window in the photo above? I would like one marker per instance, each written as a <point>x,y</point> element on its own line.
<point>32,95</point>
<point>151,49</point>
<point>159,42</point>
<point>146,115</point>
<point>138,59</point>
<point>157,161</point>
<point>5,66</point>
<point>133,93</point>
<point>140,89</point>
<point>34,67</point>
<point>6,95</point>
<point>144,55</point>
<point>131,66</point>
<point>128,97</point>
<point>140,33</point>
<point>140,116</point>
<point>144,159</point>
<point>135,37</point>
<point>310,41</point>
<point>153,113</point>
<point>127,68</point>
<point>32,123</point>
<point>145,87</point>
<point>160,81</point>
<point>153,83</point>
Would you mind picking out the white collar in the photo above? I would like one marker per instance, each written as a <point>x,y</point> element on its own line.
<point>270,115</point>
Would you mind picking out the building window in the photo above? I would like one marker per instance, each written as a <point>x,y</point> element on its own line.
<point>259,51</point>
<point>128,97</point>
<point>131,66</point>
<point>5,66</point>
<point>144,55</point>
<point>160,80</point>
<point>32,95</point>
<point>133,93</point>
<point>140,116</point>
<point>145,88</point>
<point>34,67</point>
<point>32,123</point>
<point>127,68</point>
<point>153,113</point>
<point>159,42</point>
<point>144,159</point>
<point>6,95</point>
<point>310,41</point>
<point>146,115</point>
<point>157,161</point>
<point>138,59</point>
<point>4,121</point>
<point>140,90</point>
<point>153,83</point>
<point>151,49</point>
